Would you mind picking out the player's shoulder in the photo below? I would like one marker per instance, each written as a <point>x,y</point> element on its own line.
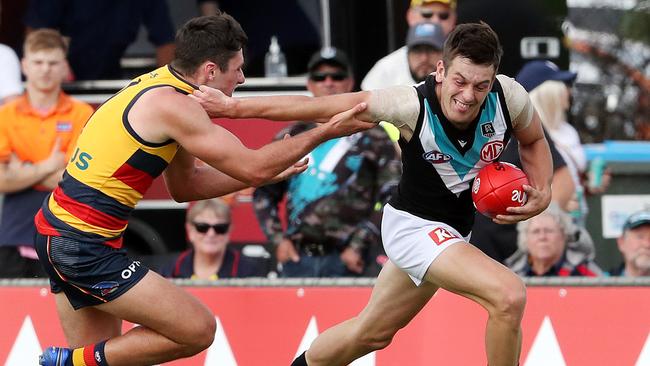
<point>167,99</point>
<point>512,90</point>
<point>510,85</point>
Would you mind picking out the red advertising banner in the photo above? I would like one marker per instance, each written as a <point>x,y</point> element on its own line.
<point>269,326</point>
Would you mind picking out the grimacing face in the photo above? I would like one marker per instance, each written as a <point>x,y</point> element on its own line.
<point>463,88</point>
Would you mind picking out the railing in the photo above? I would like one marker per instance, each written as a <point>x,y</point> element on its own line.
<point>363,282</point>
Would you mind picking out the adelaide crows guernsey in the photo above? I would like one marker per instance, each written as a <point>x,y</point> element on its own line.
<point>110,170</point>
<point>440,162</point>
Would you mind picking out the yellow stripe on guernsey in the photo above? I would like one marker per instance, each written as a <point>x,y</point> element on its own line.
<point>112,167</point>
<point>78,357</point>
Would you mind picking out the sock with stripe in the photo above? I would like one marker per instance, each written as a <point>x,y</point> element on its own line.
<point>91,355</point>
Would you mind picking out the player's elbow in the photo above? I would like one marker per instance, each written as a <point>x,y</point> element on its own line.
<point>258,179</point>
<point>181,194</point>
<point>257,175</point>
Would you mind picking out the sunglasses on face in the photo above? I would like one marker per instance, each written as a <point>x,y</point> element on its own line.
<point>203,227</point>
<point>321,76</point>
<point>428,13</point>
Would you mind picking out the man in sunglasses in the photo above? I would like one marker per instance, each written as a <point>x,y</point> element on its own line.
<point>396,68</point>
<point>330,209</point>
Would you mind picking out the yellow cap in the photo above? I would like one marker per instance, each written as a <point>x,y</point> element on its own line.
<point>451,3</point>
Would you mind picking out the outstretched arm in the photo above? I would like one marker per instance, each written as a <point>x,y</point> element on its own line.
<point>279,107</point>
<point>187,123</point>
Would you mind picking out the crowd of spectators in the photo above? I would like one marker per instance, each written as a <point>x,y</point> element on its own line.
<point>333,210</point>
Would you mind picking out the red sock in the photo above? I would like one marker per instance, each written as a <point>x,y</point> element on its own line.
<point>91,355</point>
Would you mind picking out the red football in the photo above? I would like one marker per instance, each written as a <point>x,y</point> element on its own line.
<point>497,187</point>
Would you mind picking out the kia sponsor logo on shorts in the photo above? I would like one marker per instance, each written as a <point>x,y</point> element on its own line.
<point>491,151</point>
<point>130,270</point>
<point>441,235</point>
<point>436,157</point>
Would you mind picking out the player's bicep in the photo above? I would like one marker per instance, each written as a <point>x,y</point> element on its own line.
<point>200,137</point>
<point>531,132</point>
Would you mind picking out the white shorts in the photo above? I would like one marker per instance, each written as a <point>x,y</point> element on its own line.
<point>412,243</point>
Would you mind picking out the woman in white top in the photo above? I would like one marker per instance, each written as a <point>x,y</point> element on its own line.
<point>551,100</point>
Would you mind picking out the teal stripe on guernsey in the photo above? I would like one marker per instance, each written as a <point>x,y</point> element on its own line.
<point>462,164</point>
<point>314,183</point>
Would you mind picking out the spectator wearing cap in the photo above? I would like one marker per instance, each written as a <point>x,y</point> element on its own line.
<point>394,69</point>
<point>634,245</point>
<point>424,42</point>
<point>329,73</point>
<point>332,225</point>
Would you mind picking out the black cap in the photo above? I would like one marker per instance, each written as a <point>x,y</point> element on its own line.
<point>430,34</point>
<point>637,219</point>
<point>329,56</point>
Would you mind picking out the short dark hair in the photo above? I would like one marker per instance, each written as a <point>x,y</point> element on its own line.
<point>475,41</point>
<point>212,37</point>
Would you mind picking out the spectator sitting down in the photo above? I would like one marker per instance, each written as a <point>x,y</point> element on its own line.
<point>208,225</point>
<point>551,245</point>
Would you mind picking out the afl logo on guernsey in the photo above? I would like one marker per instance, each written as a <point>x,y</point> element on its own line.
<point>436,157</point>
<point>491,151</point>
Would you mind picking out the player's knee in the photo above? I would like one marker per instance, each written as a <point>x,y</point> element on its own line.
<point>200,335</point>
<point>512,299</point>
<point>205,333</point>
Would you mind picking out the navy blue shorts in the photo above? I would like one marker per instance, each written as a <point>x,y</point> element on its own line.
<point>88,273</point>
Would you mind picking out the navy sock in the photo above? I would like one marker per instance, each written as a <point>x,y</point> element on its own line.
<point>100,358</point>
